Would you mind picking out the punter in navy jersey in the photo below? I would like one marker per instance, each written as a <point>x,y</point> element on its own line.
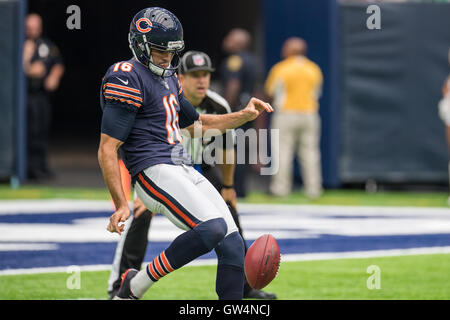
<point>143,111</point>
<point>160,110</point>
<point>194,74</point>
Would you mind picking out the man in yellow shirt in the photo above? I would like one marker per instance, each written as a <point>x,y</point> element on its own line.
<point>295,84</point>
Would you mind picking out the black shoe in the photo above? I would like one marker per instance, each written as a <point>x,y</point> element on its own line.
<point>124,292</point>
<point>115,287</point>
<point>259,294</point>
<point>113,293</point>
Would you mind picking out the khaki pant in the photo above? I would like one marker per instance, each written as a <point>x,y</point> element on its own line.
<point>297,133</point>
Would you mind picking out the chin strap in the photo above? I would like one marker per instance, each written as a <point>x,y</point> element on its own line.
<point>155,69</point>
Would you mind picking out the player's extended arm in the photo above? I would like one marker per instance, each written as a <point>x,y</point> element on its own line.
<point>222,122</point>
<point>108,160</point>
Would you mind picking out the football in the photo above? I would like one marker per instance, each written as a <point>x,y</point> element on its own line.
<point>262,261</point>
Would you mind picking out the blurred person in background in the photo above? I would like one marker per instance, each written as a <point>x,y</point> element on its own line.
<point>238,79</point>
<point>43,67</point>
<point>444,113</point>
<point>294,85</point>
<point>195,76</point>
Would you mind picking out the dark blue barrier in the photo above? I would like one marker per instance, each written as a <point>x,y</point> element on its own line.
<point>390,83</point>
<point>12,92</point>
<point>381,87</point>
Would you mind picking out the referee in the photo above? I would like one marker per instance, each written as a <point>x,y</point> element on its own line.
<point>195,74</point>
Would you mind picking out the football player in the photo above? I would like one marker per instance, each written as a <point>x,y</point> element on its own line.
<point>143,111</point>
<point>195,75</point>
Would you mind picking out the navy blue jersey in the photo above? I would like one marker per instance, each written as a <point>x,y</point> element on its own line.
<point>155,136</point>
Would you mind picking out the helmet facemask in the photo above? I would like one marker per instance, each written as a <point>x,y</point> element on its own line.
<point>142,51</point>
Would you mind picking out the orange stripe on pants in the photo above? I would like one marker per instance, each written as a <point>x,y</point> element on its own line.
<point>166,201</point>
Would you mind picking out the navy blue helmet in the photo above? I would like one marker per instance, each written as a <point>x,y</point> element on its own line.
<point>156,28</point>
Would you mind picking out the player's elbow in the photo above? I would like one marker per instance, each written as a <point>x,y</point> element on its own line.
<point>101,155</point>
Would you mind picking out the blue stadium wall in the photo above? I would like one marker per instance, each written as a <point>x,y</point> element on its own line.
<point>12,93</point>
<point>390,84</point>
<point>381,87</point>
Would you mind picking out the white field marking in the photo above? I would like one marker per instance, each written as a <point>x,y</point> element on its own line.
<point>98,267</point>
<point>70,206</point>
<point>339,209</point>
<point>284,258</point>
<point>28,246</point>
<point>282,221</point>
<point>81,231</point>
<point>53,206</point>
<point>364,254</point>
<point>345,220</point>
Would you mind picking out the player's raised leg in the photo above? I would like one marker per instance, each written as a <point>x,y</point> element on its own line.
<point>188,209</point>
<point>230,251</point>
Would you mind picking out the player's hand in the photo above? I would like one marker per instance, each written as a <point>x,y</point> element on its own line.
<point>121,215</point>
<point>139,208</point>
<point>229,195</point>
<point>255,107</point>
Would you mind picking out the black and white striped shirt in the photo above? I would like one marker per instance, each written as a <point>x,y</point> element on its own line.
<point>213,103</point>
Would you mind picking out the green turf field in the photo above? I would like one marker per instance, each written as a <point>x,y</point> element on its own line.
<point>403,277</point>
<point>330,197</point>
<point>406,277</point>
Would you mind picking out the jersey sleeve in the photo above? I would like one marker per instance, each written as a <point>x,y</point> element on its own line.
<point>122,87</point>
<point>178,86</point>
<point>188,115</point>
<point>117,122</point>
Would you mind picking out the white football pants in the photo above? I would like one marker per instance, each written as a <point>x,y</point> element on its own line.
<point>183,195</point>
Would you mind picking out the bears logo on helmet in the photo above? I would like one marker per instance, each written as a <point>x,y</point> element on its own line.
<point>146,29</point>
<point>156,29</point>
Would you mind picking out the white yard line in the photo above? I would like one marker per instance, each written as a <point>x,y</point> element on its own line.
<point>12,246</point>
<point>53,206</point>
<point>70,205</point>
<point>284,258</point>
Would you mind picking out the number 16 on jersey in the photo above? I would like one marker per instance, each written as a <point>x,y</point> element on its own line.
<point>172,127</point>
